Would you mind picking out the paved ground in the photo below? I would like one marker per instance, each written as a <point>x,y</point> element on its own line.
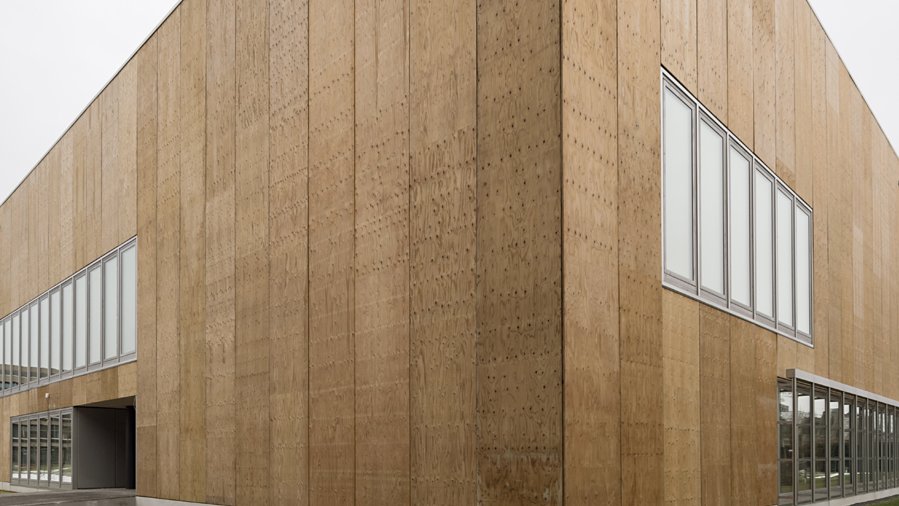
<point>74,498</point>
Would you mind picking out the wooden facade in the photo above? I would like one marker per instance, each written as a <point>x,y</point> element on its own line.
<point>408,251</point>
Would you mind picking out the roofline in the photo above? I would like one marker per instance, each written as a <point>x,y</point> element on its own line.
<point>91,102</point>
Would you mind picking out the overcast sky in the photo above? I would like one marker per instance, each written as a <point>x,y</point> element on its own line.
<point>56,55</point>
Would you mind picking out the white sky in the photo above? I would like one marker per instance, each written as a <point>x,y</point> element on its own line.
<point>56,55</point>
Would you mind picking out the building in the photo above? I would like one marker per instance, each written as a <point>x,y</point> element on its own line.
<point>425,252</point>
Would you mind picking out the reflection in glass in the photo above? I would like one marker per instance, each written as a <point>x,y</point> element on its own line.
<point>804,476</point>
<point>66,433</point>
<point>80,321</point>
<point>14,437</point>
<point>785,441</point>
<point>68,321</point>
<point>34,441</point>
<point>111,308</point>
<point>55,338</point>
<point>45,337</point>
<point>835,418</point>
<point>54,450</point>
<point>95,318</point>
<point>821,448</point>
<point>129,300</point>
<point>44,467</point>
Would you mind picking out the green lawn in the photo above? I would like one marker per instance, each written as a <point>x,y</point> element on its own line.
<point>889,502</point>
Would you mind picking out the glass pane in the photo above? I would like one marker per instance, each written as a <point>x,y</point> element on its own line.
<point>55,327</point>
<point>81,321</point>
<point>16,373</point>
<point>804,420</point>
<point>66,449</point>
<point>129,300</point>
<point>14,453</point>
<point>804,481</point>
<point>821,480</point>
<point>95,318</point>
<point>33,452</point>
<point>785,404</point>
<point>44,467</point>
<point>34,327</point>
<point>678,163</point>
<point>711,205</point>
<point>740,288</point>
<point>45,336</point>
<point>111,310</point>
<point>820,412</point>
<point>22,344</point>
<point>784,258</point>
<point>803,273</point>
<point>764,264</point>
<point>54,451</point>
<point>68,323</point>
<point>786,482</point>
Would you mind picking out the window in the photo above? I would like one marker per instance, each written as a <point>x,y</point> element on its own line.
<point>835,418</point>
<point>804,442</point>
<point>711,206</point>
<point>733,234</point>
<point>820,481</point>
<point>678,182</point>
<point>785,441</point>
<point>41,453</point>
<point>87,321</point>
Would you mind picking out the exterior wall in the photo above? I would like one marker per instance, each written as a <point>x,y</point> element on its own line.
<point>376,238</point>
<point>692,387</point>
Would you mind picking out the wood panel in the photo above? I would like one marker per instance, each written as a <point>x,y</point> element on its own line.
<point>764,443</point>
<point>381,263</point>
<point>192,271</point>
<point>221,407</point>
<point>679,40</point>
<point>744,457</point>
<point>590,252</point>
<point>118,159</point>
<point>639,254</point>
<point>66,212</point>
<point>740,109</point>
<point>442,274</point>
<point>146,269</point>
<point>288,233</point>
<point>252,298</point>
<point>168,255</point>
<point>791,104</point>
<point>764,77</point>
<point>519,254</point>
<point>711,55</point>
<point>52,190</point>
<point>835,245</point>
<point>87,185</point>
<point>331,247</point>
<point>681,399</point>
<point>715,405</point>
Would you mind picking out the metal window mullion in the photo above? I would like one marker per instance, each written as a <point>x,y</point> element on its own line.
<point>795,443</point>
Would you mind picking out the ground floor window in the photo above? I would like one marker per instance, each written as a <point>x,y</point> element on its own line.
<point>833,442</point>
<point>42,450</point>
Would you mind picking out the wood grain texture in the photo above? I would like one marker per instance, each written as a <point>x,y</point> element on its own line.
<point>744,457</point>
<point>639,254</point>
<point>86,132</point>
<point>764,77</point>
<point>288,236</point>
<point>118,159</point>
<point>442,188</point>
<point>681,399</point>
<point>252,298</point>
<point>519,352</point>
<point>147,59</point>
<point>740,108</point>
<point>679,40</point>
<point>381,259</point>
<point>331,248</point>
<point>192,271</point>
<point>221,408</point>
<point>168,255</point>
<point>711,55</point>
<point>590,252</point>
<point>787,80</point>
<point>715,405</point>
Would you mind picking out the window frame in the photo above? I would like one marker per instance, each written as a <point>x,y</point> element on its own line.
<point>720,297</point>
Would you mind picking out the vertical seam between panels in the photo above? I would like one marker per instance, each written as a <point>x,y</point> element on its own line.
<point>308,246</point>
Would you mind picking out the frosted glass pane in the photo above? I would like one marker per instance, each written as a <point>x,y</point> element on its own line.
<point>81,321</point>
<point>741,286</point>
<point>803,273</point>
<point>784,259</point>
<point>764,243</point>
<point>111,311</point>
<point>15,341</point>
<point>55,338</point>
<point>678,147</point>
<point>68,320</point>
<point>8,346</point>
<point>711,192</point>
<point>95,318</point>
<point>33,325</point>
<point>129,300</point>
<point>45,336</point>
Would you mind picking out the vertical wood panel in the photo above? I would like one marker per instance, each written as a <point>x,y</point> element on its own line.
<point>192,279</point>
<point>519,254</point>
<point>744,457</point>
<point>87,185</point>
<point>678,18</point>
<point>739,70</point>
<point>443,141</point>
<point>66,175</point>
<point>288,219</point>
<point>52,189</point>
<point>118,164</point>
<point>715,405</point>
<point>331,283</point>
<point>146,269</point>
<point>639,253</point>
<point>764,77</point>
<point>835,246</point>
<point>252,331</point>
<point>764,442</point>
<point>787,82</point>
<point>801,81</point>
<point>590,252</point>
<point>681,396</point>
<point>168,255</point>
<point>711,55</point>
<point>381,263</point>
<point>221,408</point>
